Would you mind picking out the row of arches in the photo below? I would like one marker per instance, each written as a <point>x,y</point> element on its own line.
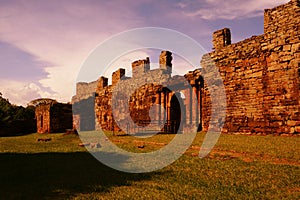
<point>180,107</point>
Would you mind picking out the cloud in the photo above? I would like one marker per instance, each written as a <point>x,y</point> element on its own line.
<point>229,9</point>
<point>18,64</point>
<point>21,93</point>
<point>60,34</point>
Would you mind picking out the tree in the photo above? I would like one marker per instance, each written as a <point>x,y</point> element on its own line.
<point>36,102</point>
<point>13,118</point>
<point>6,111</point>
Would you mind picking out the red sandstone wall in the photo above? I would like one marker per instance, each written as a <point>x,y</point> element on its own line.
<point>52,118</point>
<point>261,77</point>
<point>42,114</point>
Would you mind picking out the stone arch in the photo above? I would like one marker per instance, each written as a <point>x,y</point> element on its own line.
<point>177,112</point>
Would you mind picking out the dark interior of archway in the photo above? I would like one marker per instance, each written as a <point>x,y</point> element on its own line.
<point>175,113</point>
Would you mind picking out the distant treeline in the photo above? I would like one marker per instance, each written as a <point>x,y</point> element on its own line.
<point>16,120</point>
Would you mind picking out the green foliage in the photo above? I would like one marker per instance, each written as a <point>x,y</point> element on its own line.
<point>6,111</point>
<point>24,113</point>
<point>11,114</point>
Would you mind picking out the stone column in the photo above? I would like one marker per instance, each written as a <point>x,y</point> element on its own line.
<point>199,106</point>
<point>187,106</point>
<point>162,101</point>
<point>168,105</point>
<point>191,106</point>
<point>196,91</point>
<point>195,105</point>
<point>157,107</point>
<point>169,95</point>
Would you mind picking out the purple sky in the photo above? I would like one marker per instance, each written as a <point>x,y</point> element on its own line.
<point>43,43</point>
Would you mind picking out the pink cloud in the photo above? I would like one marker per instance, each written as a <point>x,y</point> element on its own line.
<point>229,9</point>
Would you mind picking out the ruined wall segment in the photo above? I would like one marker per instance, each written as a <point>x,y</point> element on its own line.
<point>84,90</point>
<point>221,38</point>
<point>53,117</point>
<point>102,82</point>
<point>261,77</point>
<point>283,65</point>
<point>42,115</point>
<point>166,116</point>
<point>117,75</point>
<point>140,101</point>
<point>82,101</point>
<point>165,61</point>
<point>140,67</point>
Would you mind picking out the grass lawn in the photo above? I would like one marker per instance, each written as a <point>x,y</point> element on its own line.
<point>239,167</point>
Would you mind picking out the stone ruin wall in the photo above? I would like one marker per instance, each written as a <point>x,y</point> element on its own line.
<point>53,117</point>
<point>144,96</point>
<point>261,75</point>
<point>141,100</point>
<point>83,106</point>
<point>84,91</point>
<point>42,114</point>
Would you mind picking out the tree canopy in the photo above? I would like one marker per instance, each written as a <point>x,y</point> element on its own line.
<point>12,115</point>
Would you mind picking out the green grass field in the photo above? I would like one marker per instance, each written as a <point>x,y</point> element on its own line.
<point>239,167</point>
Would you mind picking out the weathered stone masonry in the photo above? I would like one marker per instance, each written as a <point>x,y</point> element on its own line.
<point>83,106</point>
<point>53,117</point>
<point>260,75</point>
<point>142,99</point>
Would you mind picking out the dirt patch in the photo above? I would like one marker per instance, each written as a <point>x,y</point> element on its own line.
<point>251,157</point>
<point>218,154</point>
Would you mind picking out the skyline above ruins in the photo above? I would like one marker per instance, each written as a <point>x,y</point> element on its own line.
<point>43,43</point>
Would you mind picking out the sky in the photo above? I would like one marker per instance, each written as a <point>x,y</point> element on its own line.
<point>44,43</point>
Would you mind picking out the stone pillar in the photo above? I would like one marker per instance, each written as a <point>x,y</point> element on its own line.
<point>157,107</point>
<point>165,61</point>
<point>140,67</point>
<point>187,106</point>
<point>191,105</point>
<point>199,106</point>
<point>167,105</point>
<point>169,97</point>
<point>162,116</point>
<point>195,105</point>
<point>221,38</point>
<point>117,75</point>
<point>102,83</point>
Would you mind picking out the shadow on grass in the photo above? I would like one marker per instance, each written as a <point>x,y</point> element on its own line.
<point>58,175</point>
<point>14,134</point>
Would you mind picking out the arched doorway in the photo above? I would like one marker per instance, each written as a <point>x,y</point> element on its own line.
<point>176,112</point>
